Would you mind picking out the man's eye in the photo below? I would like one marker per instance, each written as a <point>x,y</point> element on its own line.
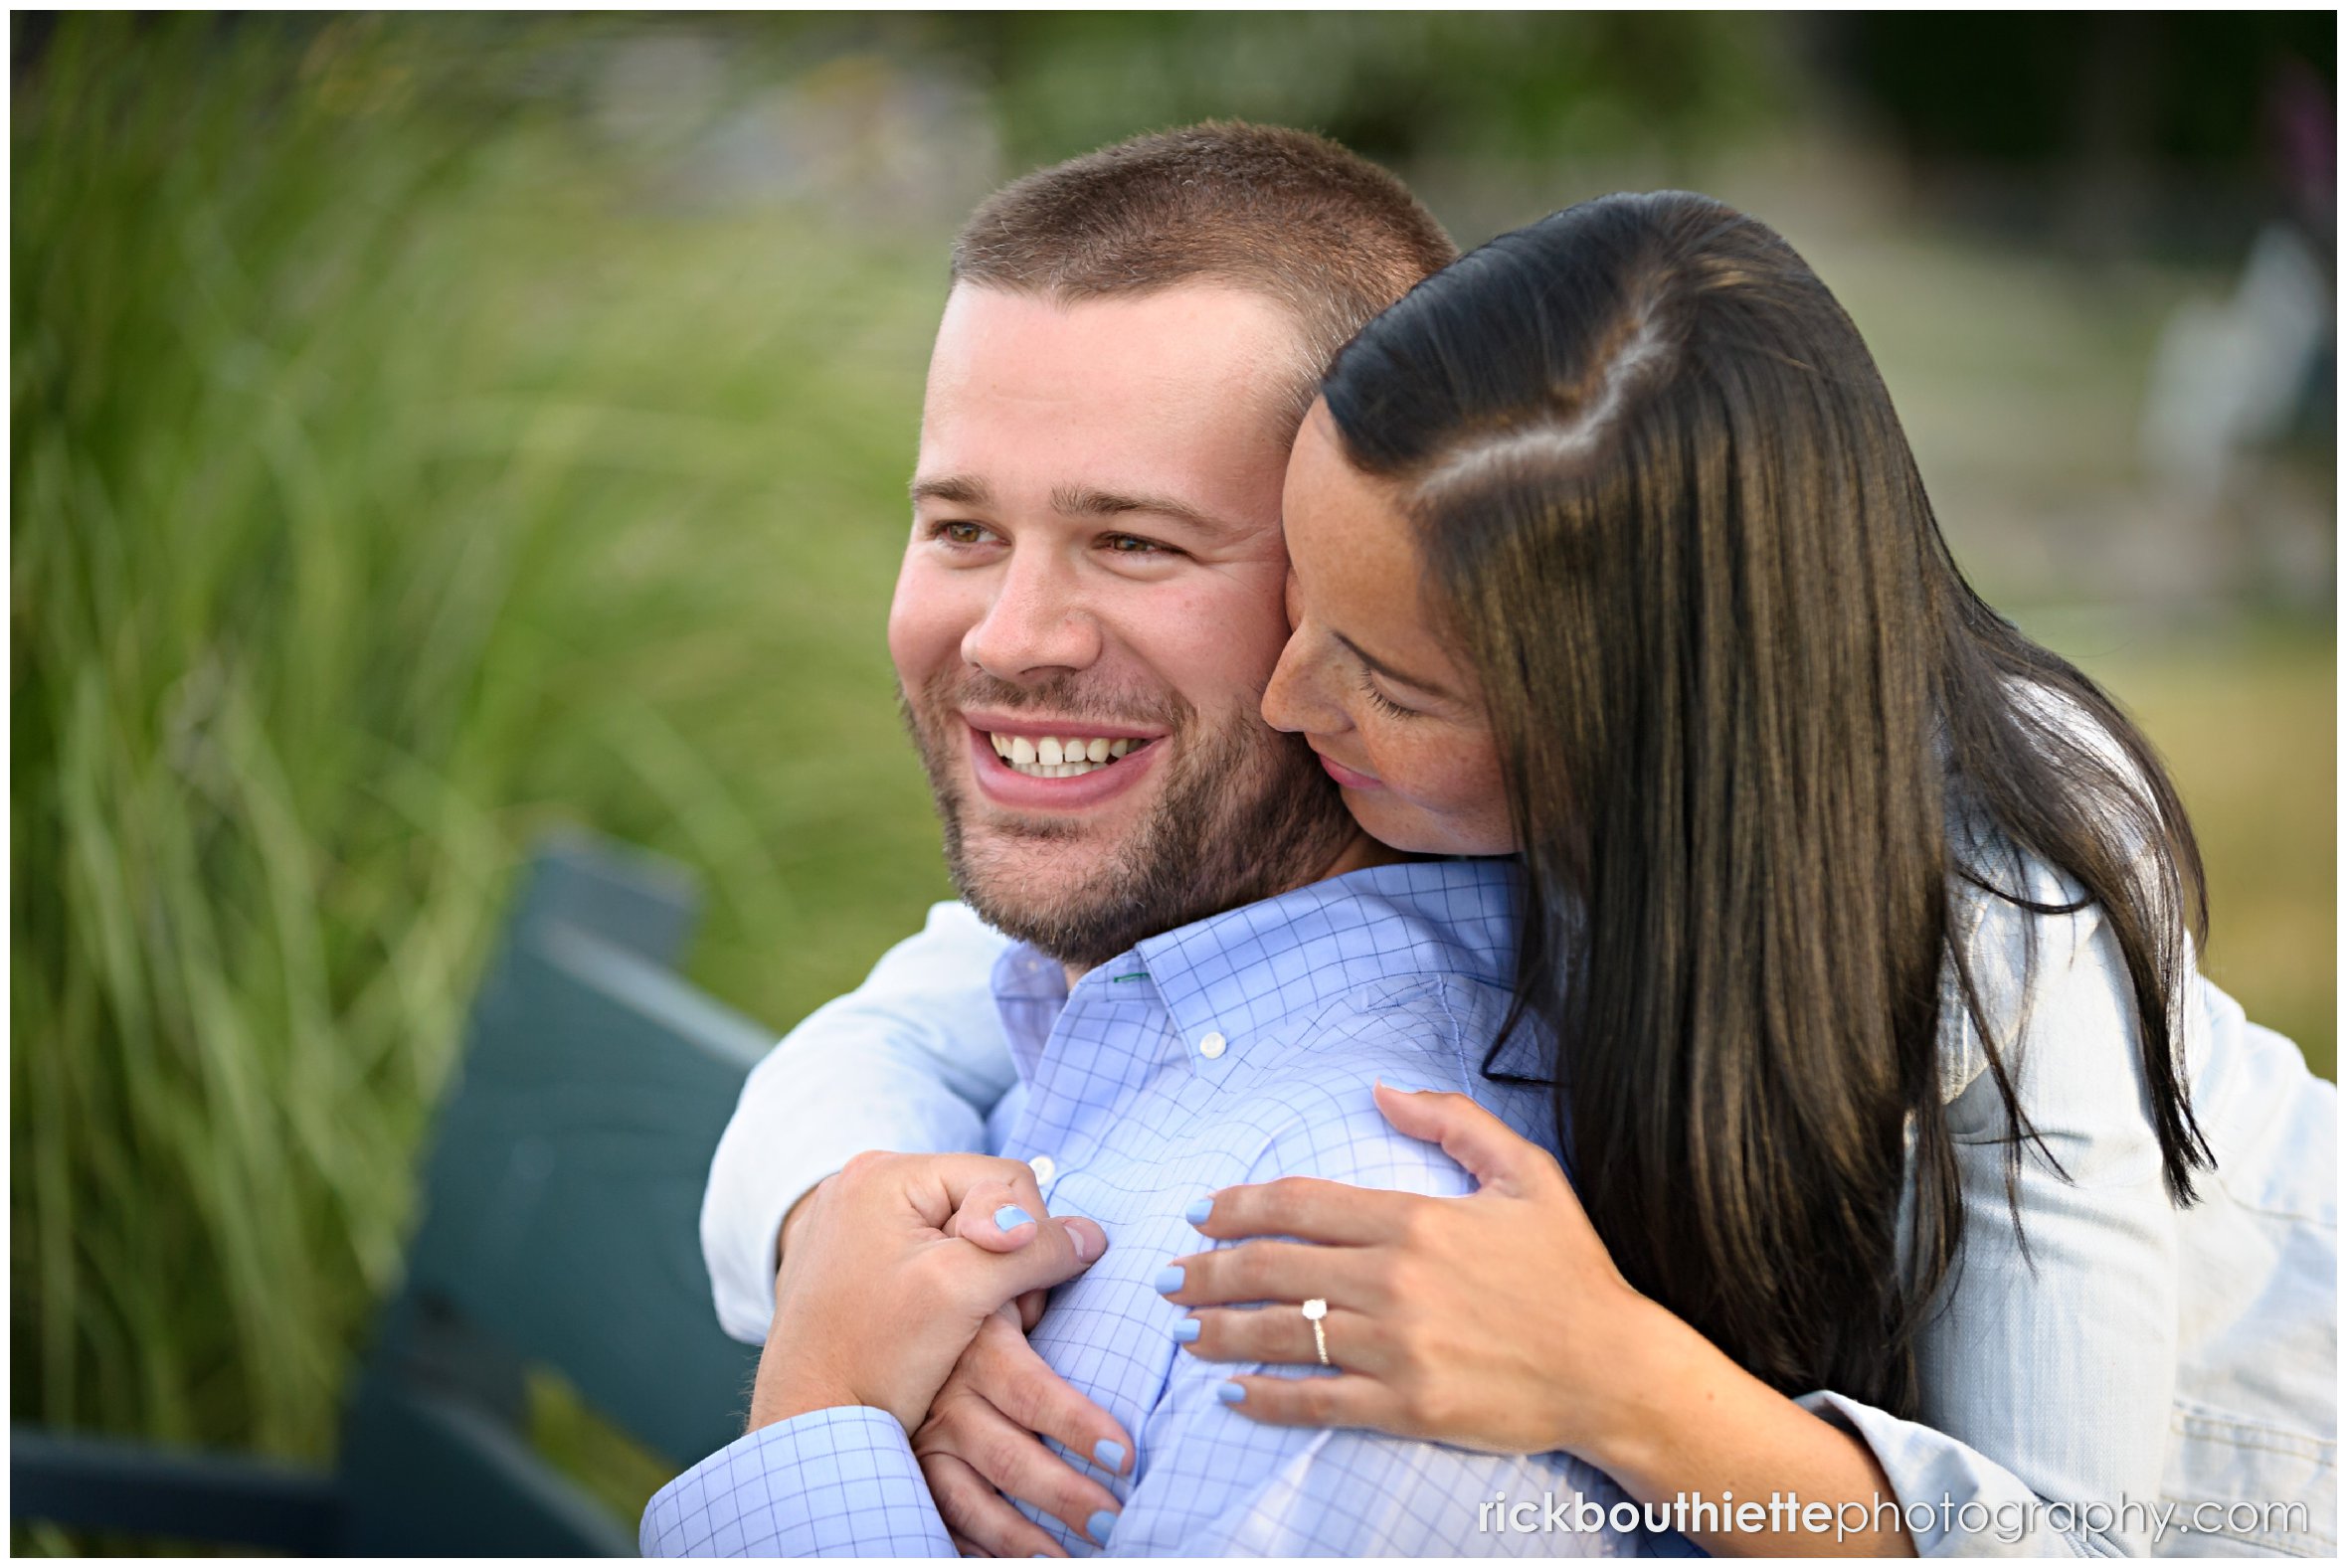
<point>962,533</point>
<point>1134,545</point>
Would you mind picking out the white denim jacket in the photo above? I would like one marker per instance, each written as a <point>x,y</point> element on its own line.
<point>2177,1359</point>
<point>2180,1359</point>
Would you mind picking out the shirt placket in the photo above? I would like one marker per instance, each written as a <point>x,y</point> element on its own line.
<point>1103,1050</point>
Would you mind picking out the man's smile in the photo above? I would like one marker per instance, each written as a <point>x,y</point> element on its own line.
<point>1062,765</point>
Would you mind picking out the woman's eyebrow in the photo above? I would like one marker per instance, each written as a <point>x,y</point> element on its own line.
<point>1415,683</point>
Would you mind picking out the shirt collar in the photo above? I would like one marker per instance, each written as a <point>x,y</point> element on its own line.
<point>1251,968</point>
<point>1030,991</point>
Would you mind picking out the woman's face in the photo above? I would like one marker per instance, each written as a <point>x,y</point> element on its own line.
<point>1365,677</point>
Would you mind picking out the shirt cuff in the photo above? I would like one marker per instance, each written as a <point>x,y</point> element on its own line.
<point>840,1483</point>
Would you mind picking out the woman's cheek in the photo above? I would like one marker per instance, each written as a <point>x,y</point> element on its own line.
<point>1484,803</point>
<point>1460,775</point>
<point>1418,774</point>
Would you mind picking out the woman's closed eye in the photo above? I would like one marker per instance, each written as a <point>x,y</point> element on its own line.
<point>1382,703</point>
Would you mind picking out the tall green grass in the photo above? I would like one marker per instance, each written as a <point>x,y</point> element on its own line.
<point>391,479</point>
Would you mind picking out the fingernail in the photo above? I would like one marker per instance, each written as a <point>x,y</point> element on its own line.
<point>1099,1525</point>
<point>1010,1214</point>
<point>1187,1332</point>
<point>1197,1213</point>
<point>1109,1454</point>
<point>1081,1242</point>
<point>1170,1279</point>
<point>1231,1393</point>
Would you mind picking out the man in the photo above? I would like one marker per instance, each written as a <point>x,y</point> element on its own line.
<point>1213,961</point>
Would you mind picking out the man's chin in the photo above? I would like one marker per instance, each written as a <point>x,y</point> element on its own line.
<point>1041,864</point>
<point>1080,891</point>
<point>1226,814</point>
<point>1037,865</point>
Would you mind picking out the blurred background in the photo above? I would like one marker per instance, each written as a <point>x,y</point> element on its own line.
<point>432,430</point>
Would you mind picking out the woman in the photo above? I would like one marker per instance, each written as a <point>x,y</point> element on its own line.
<point>1859,921</point>
<point>1859,931</point>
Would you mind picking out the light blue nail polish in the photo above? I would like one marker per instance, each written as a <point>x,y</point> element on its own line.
<point>1197,1213</point>
<point>1187,1332</point>
<point>1099,1525</point>
<point>1010,1214</point>
<point>1231,1393</point>
<point>1170,1279</point>
<point>1109,1454</point>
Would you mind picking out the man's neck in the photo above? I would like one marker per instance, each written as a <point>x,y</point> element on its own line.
<point>1359,852</point>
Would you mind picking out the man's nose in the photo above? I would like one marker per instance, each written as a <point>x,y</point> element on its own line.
<point>1037,623</point>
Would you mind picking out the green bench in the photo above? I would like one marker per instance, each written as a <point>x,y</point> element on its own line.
<point>558,1228</point>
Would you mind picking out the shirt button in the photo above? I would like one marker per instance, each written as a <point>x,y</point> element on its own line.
<point>1043,1168</point>
<point>1213,1045</point>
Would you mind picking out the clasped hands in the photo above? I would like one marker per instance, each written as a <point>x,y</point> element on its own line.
<point>1493,1322</point>
<point>907,1283</point>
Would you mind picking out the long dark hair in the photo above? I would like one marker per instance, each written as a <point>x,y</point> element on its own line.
<point>1742,692</point>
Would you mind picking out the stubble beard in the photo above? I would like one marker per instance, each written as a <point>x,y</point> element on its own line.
<point>1243,813</point>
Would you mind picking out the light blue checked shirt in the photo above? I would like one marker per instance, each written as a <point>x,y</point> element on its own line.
<point>1233,1050</point>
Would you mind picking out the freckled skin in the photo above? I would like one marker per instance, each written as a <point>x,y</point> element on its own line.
<point>1427,780</point>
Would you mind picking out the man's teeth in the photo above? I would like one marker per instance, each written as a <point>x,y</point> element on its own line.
<point>1059,756</point>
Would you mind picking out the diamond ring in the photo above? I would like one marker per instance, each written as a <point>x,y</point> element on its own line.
<point>1314,1311</point>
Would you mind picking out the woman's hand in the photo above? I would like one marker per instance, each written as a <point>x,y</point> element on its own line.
<point>881,1290</point>
<point>1495,1321</point>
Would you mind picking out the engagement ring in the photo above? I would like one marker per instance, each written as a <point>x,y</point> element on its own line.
<point>1314,1311</point>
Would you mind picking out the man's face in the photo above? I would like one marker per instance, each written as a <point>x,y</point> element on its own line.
<point>1096,558</point>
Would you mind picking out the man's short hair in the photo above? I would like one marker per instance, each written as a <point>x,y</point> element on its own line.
<point>1283,213</point>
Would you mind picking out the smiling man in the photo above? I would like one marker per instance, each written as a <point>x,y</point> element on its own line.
<point>1185,962</point>
<point>1089,609</point>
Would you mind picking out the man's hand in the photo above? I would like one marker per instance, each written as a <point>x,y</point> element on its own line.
<point>881,1291</point>
<point>983,1442</point>
<point>791,1221</point>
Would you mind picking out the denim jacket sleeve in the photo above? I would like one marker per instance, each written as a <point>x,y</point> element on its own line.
<point>2048,1370</point>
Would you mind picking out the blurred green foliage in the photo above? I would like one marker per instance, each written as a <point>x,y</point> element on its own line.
<point>403,466</point>
<point>1399,85</point>
<point>387,486</point>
